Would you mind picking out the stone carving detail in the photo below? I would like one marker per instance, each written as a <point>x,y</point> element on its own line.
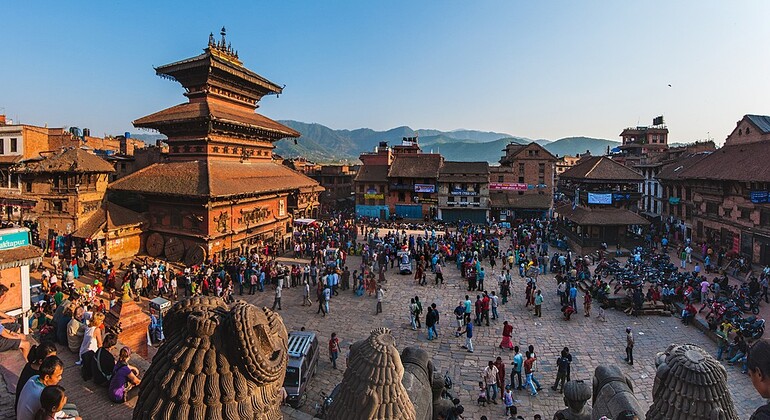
<point>576,395</point>
<point>219,361</point>
<point>256,215</point>
<point>418,379</point>
<point>613,394</point>
<point>371,387</point>
<point>222,220</point>
<point>690,384</point>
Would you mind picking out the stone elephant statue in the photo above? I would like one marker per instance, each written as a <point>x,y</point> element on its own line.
<point>613,394</point>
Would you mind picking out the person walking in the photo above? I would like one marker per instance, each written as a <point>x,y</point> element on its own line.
<point>438,319</point>
<point>489,376</point>
<point>413,314</point>
<point>539,303</point>
<point>494,302</point>
<point>468,336</point>
<point>629,346</point>
<point>327,297</point>
<point>528,371</point>
<point>380,297</point>
<point>507,331</point>
<point>587,304</point>
<point>334,349</point>
<point>518,363</point>
<point>277,300</point>
<point>306,295</point>
<point>430,322</point>
<point>563,367</point>
<point>419,311</point>
<point>439,274</point>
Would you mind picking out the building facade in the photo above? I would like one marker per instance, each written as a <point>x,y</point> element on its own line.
<point>463,192</point>
<point>522,186</point>
<point>723,198</point>
<point>371,183</point>
<point>68,187</point>
<point>337,181</point>
<point>413,185</point>
<point>220,193</point>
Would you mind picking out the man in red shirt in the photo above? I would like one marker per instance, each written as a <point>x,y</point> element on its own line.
<point>530,360</point>
<point>334,349</point>
<point>485,308</point>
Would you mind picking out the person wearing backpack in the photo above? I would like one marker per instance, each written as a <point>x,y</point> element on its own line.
<point>562,374</point>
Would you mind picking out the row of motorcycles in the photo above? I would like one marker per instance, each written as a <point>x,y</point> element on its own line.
<point>657,269</point>
<point>728,310</point>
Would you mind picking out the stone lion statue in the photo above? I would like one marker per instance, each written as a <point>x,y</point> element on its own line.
<point>371,387</point>
<point>690,384</point>
<point>219,361</point>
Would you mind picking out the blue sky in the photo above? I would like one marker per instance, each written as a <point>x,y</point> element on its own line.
<point>537,69</point>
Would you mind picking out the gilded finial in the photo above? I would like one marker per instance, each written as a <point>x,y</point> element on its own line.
<point>211,39</point>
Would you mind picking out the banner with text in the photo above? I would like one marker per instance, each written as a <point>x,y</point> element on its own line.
<point>507,186</point>
<point>594,198</point>
<point>424,188</point>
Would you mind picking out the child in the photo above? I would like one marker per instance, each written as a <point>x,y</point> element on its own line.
<point>758,366</point>
<point>482,400</point>
<point>510,409</point>
<point>52,401</point>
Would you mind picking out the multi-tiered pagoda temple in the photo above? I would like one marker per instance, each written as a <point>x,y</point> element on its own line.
<point>219,192</point>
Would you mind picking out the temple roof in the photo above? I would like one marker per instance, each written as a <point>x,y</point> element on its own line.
<point>215,111</point>
<point>515,201</point>
<point>74,160</point>
<point>601,168</point>
<point>600,217</point>
<point>214,178</point>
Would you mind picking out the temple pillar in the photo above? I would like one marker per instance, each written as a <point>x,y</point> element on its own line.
<point>134,323</point>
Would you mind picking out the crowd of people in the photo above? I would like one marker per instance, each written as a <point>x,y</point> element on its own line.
<point>484,256</point>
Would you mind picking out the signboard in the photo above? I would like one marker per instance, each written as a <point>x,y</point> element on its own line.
<point>760,197</point>
<point>594,198</point>
<point>507,186</point>
<point>374,196</point>
<point>424,188</point>
<point>621,196</point>
<point>736,243</point>
<point>13,238</point>
<point>425,200</point>
<point>462,192</point>
<point>674,200</point>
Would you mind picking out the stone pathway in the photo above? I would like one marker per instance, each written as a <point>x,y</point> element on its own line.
<point>591,343</point>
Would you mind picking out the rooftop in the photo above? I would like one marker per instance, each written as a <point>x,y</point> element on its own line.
<point>610,216</point>
<point>740,162</point>
<point>75,160</point>
<point>601,168</point>
<point>214,179</point>
<point>419,165</point>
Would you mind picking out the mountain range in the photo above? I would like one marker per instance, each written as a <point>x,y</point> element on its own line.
<point>322,144</point>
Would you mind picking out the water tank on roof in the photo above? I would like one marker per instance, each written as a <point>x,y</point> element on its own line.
<point>127,134</point>
<point>75,131</point>
<point>86,132</point>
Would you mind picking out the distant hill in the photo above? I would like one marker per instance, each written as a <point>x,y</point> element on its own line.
<point>575,145</point>
<point>323,144</point>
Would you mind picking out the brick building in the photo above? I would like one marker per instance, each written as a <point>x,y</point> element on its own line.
<point>412,185</point>
<point>337,180</point>
<point>463,192</point>
<point>600,204</point>
<point>728,192</point>
<point>371,182</point>
<point>220,193</point>
<point>68,187</point>
<point>522,186</point>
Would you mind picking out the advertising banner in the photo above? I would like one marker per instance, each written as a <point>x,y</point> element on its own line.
<point>760,197</point>
<point>374,196</point>
<point>14,239</point>
<point>462,192</point>
<point>424,188</point>
<point>507,186</point>
<point>594,198</point>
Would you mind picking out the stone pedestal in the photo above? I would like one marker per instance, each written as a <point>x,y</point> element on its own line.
<point>134,323</point>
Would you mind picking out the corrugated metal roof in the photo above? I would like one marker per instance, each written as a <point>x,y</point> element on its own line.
<point>761,121</point>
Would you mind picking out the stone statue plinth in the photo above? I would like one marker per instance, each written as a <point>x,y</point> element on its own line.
<point>134,323</point>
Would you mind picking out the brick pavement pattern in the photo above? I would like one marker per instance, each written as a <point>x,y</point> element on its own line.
<point>591,343</point>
